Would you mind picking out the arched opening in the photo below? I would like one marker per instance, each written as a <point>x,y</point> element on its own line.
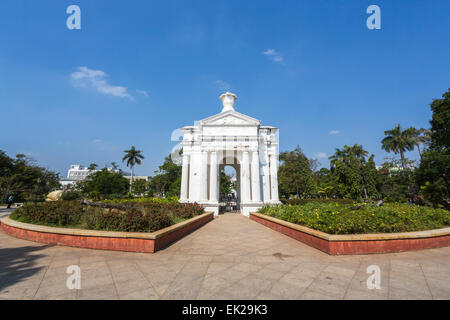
<point>229,187</point>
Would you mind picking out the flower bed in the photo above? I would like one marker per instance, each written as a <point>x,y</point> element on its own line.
<point>104,240</point>
<point>125,217</point>
<point>357,243</point>
<point>338,218</point>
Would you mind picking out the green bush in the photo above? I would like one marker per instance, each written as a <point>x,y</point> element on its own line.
<point>126,216</point>
<point>299,202</point>
<point>337,218</point>
<point>72,195</point>
<point>58,213</point>
<point>143,199</point>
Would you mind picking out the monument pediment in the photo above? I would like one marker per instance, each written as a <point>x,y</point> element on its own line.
<point>230,118</point>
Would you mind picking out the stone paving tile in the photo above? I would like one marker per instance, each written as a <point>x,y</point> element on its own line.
<point>314,295</point>
<point>231,257</point>
<point>145,294</point>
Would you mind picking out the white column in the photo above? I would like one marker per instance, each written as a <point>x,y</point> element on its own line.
<point>245,177</point>
<point>213,175</point>
<point>256,191</point>
<point>266,177</point>
<point>274,177</point>
<point>184,178</point>
<point>204,177</point>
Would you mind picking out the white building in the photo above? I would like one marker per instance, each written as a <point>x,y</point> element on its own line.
<point>78,172</point>
<point>232,139</point>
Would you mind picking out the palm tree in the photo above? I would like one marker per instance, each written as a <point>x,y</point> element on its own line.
<point>419,136</point>
<point>132,157</point>
<point>358,152</point>
<point>92,167</point>
<point>398,141</point>
<point>338,156</point>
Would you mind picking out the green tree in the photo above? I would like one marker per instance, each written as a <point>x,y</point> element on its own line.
<point>140,187</point>
<point>398,141</point>
<point>434,172</point>
<point>23,179</point>
<point>226,185</point>
<point>419,136</point>
<point>295,174</point>
<point>167,181</point>
<point>93,167</point>
<point>352,175</point>
<point>132,157</point>
<point>104,184</point>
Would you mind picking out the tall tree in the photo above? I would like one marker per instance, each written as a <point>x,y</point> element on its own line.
<point>398,141</point>
<point>295,175</point>
<point>132,157</point>
<point>434,171</point>
<point>167,181</point>
<point>419,136</point>
<point>93,167</point>
<point>352,175</point>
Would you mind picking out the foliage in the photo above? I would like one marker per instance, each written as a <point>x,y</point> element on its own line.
<point>167,181</point>
<point>24,180</point>
<point>132,157</point>
<point>72,195</point>
<point>352,175</point>
<point>143,199</point>
<point>434,171</point>
<point>226,185</point>
<point>336,218</point>
<point>299,202</point>
<point>126,216</point>
<point>104,184</point>
<point>140,187</point>
<point>295,174</point>
<point>57,213</point>
<point>398,141</point>
<point>396,186</point>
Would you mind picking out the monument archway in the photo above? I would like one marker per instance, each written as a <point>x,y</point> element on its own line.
<point>235,199</point>
<point>230,138</point>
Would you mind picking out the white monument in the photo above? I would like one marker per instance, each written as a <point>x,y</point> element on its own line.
<point>231,139</point>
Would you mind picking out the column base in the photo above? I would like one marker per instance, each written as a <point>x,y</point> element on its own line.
<point>247,207</point>
<point>210,206</point>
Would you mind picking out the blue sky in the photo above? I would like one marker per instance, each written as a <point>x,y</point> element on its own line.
<point>137,70</point>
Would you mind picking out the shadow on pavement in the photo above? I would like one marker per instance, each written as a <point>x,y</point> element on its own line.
<point>17,264</point>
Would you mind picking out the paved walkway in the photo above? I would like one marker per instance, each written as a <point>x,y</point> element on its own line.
<point>231,257</point>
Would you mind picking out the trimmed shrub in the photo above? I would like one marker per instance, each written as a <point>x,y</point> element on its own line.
<point>336,218</point>
<point>126,216</point>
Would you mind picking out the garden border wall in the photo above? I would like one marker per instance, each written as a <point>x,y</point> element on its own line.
<point>105,240</point>
<point>357,243</point>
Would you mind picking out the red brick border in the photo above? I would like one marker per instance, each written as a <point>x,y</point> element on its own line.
<point>165,237</point>
<point>325,241</point>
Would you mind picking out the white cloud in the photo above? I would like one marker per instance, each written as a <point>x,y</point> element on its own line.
<point>332,132</point>
<point>143,92</point>
<point>320,155</point>
<point>273,55</point>
<point>222,85</point>
<point>97,79</point>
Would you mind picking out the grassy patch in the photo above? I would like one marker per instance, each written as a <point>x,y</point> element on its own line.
<point>339,218</point>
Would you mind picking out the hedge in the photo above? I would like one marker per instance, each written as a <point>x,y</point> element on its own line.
<point>337,218</point>
<point>127,217</point>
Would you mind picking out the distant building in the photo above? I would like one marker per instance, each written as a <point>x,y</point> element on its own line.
<point>78,172</point>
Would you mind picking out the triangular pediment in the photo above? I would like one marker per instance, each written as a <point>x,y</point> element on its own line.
<point>230,118</point>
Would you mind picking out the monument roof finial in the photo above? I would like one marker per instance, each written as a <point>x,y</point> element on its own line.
<point>228,100</point>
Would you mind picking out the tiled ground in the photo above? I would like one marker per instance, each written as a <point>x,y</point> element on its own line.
<point>229,258</point>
